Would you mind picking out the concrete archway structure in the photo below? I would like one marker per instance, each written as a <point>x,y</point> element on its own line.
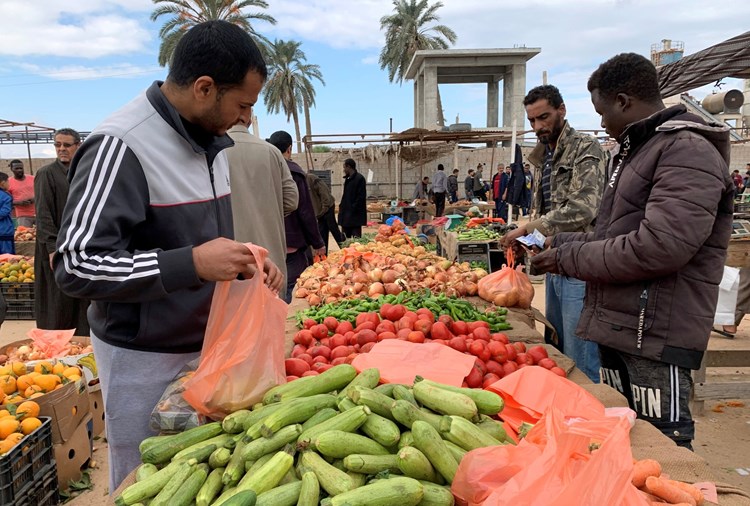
<point>460,66</point>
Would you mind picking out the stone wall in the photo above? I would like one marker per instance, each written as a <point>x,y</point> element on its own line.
<point>36,164</point>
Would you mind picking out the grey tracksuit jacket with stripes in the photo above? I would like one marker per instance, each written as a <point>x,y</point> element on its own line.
<point>143,193</point>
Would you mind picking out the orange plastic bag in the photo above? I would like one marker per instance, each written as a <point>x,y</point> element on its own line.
<point>243,349</point>
<point>586,463</point>
<point>530,391</point>
<point>401,361</point>
<point>508,287</point>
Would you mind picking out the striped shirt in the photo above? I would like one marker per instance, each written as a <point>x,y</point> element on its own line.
<point>546,176</point>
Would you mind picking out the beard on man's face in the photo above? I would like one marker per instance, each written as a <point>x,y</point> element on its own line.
<point>547,136</point>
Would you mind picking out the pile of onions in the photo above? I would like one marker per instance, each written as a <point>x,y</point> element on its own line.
<point>383,268</point>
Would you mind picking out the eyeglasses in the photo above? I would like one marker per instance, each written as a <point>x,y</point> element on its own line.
<point>65,144</point>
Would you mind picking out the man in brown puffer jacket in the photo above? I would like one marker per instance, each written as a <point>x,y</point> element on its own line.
<point>655,259</point>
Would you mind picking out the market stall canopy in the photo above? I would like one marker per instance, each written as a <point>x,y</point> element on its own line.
<point>730,58</point>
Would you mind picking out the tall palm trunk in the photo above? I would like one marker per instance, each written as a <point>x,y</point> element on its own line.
<point>295,115</point>
<point>308,124</point>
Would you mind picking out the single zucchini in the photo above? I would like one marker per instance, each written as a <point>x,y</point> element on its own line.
<point>368,378</point>
<point>445,401</point>
<point>234,423</point>
<point>319,417</point>
<point>346,404</point>
<point>200,454</point>
<point>371,464</point>
<point>252,466</point>
<point>402,393</point>
<point>436,495</point>
<point>407,413</point>
<point>255,419</point>
<point>285,495</point>
<point>465,434</point>
<point>386,389</point>
<point>457,452</point>
<point>414,464</point>
<point>296,411</point>
<point>219,441</point>
<point>488,403</point>
<point>493,428</point>
<point>236,467</point>
<point>407,439</point>
<point>265,445</point>
<point>149,442</point>
<point>242,498</point>
<point>338,444</point>
<point>149,487</point>
<point>188,491</point>
<point>378,403</point>
<point>347,421</point>
<point>164,497</point>
<point>211,488</point>
<point>358,479</point>
<point>332,480</point>
<point>163,452</point>
<point>381,429</point>
<point>400,490</point>
<point>335,378</point>
<point>144,471</point>
<point>309,494</point>
<point>428,441</point>
<point>220,457</point>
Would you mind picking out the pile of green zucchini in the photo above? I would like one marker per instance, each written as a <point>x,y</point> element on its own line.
<point>335,439</point>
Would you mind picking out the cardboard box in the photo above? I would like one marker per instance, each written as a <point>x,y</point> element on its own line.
<point>67,407</point>
<point>96,401</point>
<point>72,457</point>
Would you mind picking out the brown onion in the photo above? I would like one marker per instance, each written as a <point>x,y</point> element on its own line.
<point>392,289</point>
<point>376,289</point>
<point>389,276</point>
<point>376,274</point>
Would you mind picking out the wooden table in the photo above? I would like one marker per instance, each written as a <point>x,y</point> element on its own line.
<point>738,253</point>
<point>727,354</point>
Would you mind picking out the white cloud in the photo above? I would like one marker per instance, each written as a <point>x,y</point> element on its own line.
<point>78,72</point>
<point>80,29</point>
<point>372,59</point>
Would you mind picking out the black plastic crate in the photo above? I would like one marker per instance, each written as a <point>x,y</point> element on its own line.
<point>43,491</point>
<point>19,298</point>
<point>20,467</point>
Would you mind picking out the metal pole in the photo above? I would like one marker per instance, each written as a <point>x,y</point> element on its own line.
<point>28,151</point>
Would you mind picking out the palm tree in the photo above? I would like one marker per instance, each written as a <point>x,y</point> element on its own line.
<point>184,14</point>
<point>406,32</point>
<point>289,87</point>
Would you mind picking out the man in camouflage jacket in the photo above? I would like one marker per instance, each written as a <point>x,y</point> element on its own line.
<point>569,171</point>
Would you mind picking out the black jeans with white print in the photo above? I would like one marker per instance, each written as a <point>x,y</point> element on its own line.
<point>659,393</point>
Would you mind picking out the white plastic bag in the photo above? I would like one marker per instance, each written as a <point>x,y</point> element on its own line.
<point>728,291</point>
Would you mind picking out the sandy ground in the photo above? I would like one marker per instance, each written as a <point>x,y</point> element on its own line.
<point>722,431</point>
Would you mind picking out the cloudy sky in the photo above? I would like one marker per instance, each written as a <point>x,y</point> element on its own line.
<point>73,63</point>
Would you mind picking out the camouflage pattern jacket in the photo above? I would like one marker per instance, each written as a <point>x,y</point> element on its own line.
<point>576,185</point>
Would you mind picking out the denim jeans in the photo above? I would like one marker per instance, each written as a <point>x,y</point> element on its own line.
<point>564,298</point>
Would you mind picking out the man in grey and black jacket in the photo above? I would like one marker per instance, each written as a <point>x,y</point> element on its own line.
<point>654,261</point>
<point>147,228</point>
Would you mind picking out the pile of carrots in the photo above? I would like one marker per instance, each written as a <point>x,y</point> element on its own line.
<point>660,490</point>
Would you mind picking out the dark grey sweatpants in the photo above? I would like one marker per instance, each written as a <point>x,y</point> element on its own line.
<point>659,393</point>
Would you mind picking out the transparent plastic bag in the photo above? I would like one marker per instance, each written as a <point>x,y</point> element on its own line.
<point>173,413</point>
<point>508,287</point>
